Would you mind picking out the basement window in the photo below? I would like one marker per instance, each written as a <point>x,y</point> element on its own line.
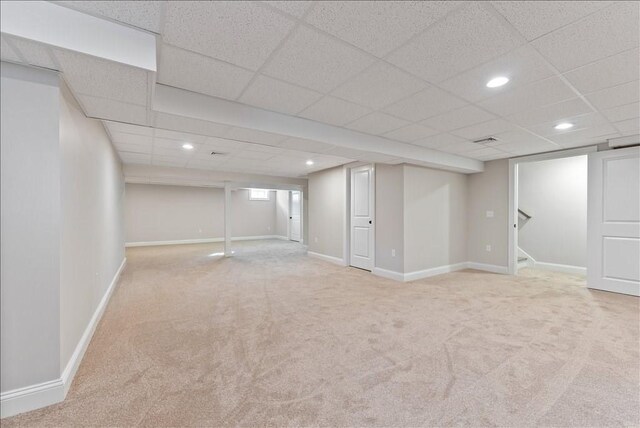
<point>258,195</point>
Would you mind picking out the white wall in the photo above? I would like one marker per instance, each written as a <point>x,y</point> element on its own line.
<point>489,191</point>
<point>92,232</point>
<point>554,192</point>
<point>30,245</point>
<point>435,213</point>
<point>389,226</point>
<point>326,212</point>
<point>156,213</point>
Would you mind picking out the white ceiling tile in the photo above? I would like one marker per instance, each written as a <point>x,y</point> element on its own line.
<point>128,129</point>
<point>292,7</point>
<point>629,126</point>
<point>624,112</point>
<point>611,71</point>
<point>133,148</point>
<point>461,147</point>
<point>424,104</point>
<point>313,60</point>
<point>589,120</point>
<point>7,53</point>
<point>465,38</point>
<point>240,32</point>
<point>189,125</point>
<point>537,94</point>
<point>175,152</point>
<point>121,137</point>
<point>100,78</point>
<point>521,66</point>
<point>162,160</point>
<point>250,135</point>
<point>558,111</point>
<point>272,94</point>
<point>455,119</point>
<point>615,96</point>
<point>377,123</point>
<point>379,86</point>
<point>483,152</point>
<point>301,144</point>
<point>377,26</point>
<point>334,111</point>
<point>198,73</point>
<point>249,154</point>
<point>200,164</point>
<point>142,14</point>
<point>410,133</point>
<point>606,32</point>
<point>34,53</point>
<point>518,138</point>
<point>182,137</point>
<point>534,19</point>
<point>137,158</point>
<point>102,108</point>
<point>585,136</point>
<point>437,141</point>
<point>485,129</point>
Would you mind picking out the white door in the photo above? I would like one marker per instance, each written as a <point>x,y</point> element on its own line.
<point>294,216</point>
<point>362,208</point>
<point>613,236</point>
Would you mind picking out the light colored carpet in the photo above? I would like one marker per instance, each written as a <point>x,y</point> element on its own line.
<point>271,337</point>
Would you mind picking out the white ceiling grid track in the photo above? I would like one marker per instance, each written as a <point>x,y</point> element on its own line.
<point>270,85</point>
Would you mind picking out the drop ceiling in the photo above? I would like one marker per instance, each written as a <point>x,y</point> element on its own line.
<point>412,73</point>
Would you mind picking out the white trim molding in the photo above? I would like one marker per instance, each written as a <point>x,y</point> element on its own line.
<point>555,267</point>
<point>47,393</point>
<point>202,241</point>
<point>330,259</point>
<point>439,270</point>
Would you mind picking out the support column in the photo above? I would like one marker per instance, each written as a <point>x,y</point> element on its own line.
<point>227,219</point>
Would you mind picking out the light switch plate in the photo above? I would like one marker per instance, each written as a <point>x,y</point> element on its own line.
<point>489,214</point>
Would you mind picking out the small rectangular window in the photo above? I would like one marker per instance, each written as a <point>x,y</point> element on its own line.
<point>258,194</point>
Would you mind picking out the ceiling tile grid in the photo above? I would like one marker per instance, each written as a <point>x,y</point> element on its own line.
<point>414,72</point>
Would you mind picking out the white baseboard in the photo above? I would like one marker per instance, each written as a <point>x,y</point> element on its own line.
<point>326,258</point>
<point>488,268</point>
<point>201,241</point>
<point>426,273</point>
<point>554,267</point>
<point>47,393</point>
<point>389,274</point>
<point>439,270</point>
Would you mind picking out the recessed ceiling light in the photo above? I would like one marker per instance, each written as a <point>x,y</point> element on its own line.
<point>309,162</point>
<point>497,82</point>
<point>187,146</point>
<point>564,125</point>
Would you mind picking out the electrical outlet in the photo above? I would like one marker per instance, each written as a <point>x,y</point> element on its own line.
<point>315,239</point>
<point>393,252</point>
<point>489,214</point>
<point>488,248</point>
<point>269,228</point>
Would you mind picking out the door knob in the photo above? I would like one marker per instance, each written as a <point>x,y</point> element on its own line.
<point>369,221</point>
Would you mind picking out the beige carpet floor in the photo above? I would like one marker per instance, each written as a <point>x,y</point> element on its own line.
<point>272,337</point>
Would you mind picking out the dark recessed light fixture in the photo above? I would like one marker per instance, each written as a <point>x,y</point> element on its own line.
<point>486,140</point>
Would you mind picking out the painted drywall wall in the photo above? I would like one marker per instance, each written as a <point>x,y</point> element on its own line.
<point>435,222</point>
<point>390,217</point>
<point>156,212</point>
<point>171,213</point>
<point>326,206</point>
<point>252,218</point>
<point>30,227</point>
<point>92,228</point>
<point>282,213</point>
<point>554,192</point>
<point>489,191</point>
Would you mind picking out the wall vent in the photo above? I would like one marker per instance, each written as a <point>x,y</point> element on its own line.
<point>217,154</point>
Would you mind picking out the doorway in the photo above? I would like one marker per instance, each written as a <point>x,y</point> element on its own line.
<point>362,214</point>
<point>295,217</point>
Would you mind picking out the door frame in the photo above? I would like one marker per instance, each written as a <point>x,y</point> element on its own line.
<point>346,233</point>
<point>513,195</point>
<point>301,241</point>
